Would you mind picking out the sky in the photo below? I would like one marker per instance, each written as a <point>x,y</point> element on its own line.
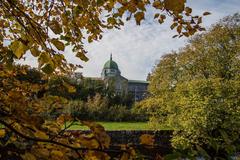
<point>137,49</point>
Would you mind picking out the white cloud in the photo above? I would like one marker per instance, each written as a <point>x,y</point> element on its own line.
<point>136,48</point>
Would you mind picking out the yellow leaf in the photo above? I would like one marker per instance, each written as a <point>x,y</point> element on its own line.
<point>58,44</point>
<point>2,133</point>
<point>35,52</point>
<point>88,142</point>
<point>176,6</point>
<point>173,25</point>
<point>138,17</point>
<point>55,27</point>
<point>40,134</point>
<point>82,56</point>
<point>132,8</point>
<point>42,152</point>
<point>28,156</point>
<point>44,58</point>
<point>94,155</point>
<point>125,156</point>
<point>157,4</point>
<point>147,139</point>
<point>179,29</point>
<point>18,48</point>
<point>99,133</point>
<point>48,68</point>
<point>56,153</point>
<point>71,89</point>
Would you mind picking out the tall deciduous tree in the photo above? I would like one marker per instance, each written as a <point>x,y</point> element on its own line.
<point>44,28</point>
<point>197,91</point>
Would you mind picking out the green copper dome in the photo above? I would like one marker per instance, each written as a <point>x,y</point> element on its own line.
<point>110,64</point>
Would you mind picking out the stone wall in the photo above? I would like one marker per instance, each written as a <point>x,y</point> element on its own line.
<point>161,146</point>
<point>124,136</point>
<point>132,136</point>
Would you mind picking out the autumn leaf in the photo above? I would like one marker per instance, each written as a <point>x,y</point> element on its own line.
<point>18,48</point>
<point>206,13</point>
<point>95,155</point>
<point>48,68</point>
<point>88,142</point>
<point>40,134</point>
<point>28,156</point>
<point>176,6</point>
<point>188,10</point>
<point>125,156</point>
<point>157,4</point>
<point>82,56</point>
<point>55,27</point>
<point>2,133</point>
<point>58,44</point>
<point>138,17</point>
<point>173,25</point>
<point>179,29</point>
<point>35,52</point>
<point>99,132</point>
<point>156,15</point>
<point>147,139</point>
<point>71,89</point>
<point>57,153</point>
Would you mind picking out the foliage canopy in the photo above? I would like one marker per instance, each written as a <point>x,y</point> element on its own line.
<point>44,29</point>
<point>197,91</point>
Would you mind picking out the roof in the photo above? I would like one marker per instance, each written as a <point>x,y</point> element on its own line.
<point>110,64</point>
<point>138,81</point>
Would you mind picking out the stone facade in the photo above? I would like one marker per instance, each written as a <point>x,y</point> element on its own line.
<point>111,75</point>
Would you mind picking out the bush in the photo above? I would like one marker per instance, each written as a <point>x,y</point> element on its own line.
<point>119,113</point>
<point>98,109</point>
<point>209,116</point>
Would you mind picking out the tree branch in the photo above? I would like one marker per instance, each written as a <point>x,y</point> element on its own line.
<point>58,143</point>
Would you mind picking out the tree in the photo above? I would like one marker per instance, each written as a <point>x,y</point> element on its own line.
<point>197,91</point>
<point>44,28</point>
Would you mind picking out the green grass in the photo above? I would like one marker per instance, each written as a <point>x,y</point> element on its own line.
<point>120,126</point>
<point>117,126</point>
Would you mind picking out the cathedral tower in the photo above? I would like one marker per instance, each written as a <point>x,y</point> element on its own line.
<point>110,69</point>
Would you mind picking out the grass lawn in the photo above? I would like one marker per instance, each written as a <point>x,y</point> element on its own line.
<point>117,126</point>
<point>120,126</point>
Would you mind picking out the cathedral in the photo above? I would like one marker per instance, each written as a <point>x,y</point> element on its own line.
<point>112,79</point>
<point>111,75</point>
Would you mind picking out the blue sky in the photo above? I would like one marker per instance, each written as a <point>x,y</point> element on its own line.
<point>136,49</point>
